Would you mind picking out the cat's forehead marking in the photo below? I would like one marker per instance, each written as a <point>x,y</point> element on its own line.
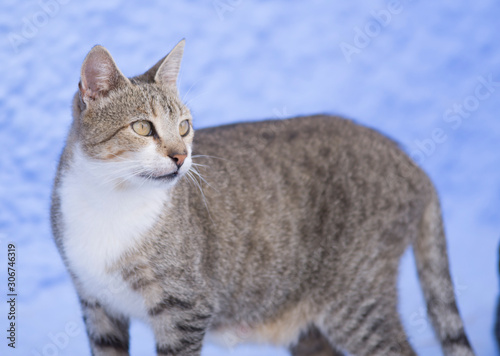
<point>160,107</point>
<point>170,107</point>
<point>142,109</point>
<point>161,110</point>
<point>153,107</point>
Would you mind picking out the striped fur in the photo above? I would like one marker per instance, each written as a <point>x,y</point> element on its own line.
<point>290,231</point>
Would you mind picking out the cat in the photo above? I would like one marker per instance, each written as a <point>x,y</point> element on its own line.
<point>282,231</point>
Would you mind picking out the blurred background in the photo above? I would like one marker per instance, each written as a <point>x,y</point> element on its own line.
<point>425,73</point>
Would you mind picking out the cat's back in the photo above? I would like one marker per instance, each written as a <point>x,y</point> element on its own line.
<point>318,172</point>
<point>319,146</point>
<point>307,133</point>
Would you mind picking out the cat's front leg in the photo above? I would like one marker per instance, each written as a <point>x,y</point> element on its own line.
<point>108,335</point>
<point>179,326</point>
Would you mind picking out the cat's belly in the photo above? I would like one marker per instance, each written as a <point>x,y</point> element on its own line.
<point>230,337</point>
<point>263,334</point>
<point>281,331</point>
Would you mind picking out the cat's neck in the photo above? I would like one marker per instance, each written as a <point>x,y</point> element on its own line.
<point>103,215</point>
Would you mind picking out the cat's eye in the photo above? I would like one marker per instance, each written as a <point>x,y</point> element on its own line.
<point>143,128</point>
<point>184,128</point>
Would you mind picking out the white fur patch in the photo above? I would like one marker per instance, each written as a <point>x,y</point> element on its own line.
<point>102,221</point>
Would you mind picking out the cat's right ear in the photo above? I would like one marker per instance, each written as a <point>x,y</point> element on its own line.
<point>166,70</point>
<point>99,75</point>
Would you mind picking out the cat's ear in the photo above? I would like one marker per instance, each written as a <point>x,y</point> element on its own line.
<point>167,69</point>
<point>99,75</point>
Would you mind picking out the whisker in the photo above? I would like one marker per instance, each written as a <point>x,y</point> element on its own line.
<point>196,97</point>
<point>191,87</point>
<point>198,164</point>
<point>197,183</point>
<point>209,156</point>
<point>190,178</point>
<point>195,171</point>
<point>117,176</point>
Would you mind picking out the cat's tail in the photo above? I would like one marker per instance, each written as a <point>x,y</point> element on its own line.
<point>435,280</point>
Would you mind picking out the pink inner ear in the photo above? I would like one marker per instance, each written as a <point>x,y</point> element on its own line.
<point>99,74</point>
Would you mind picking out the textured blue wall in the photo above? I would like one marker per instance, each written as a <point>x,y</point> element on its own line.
<point>425,73</point>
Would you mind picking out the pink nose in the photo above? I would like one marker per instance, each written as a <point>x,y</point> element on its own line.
<point>178,158</point>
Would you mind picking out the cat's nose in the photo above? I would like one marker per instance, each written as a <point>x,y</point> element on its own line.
<point>178,158</point>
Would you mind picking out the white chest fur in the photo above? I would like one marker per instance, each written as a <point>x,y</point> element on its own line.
<point>100,224</point>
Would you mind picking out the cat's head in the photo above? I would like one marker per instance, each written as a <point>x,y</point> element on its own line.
<point>133,131</point>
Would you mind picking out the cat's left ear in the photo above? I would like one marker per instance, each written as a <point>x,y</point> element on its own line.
<point>99,75</point>
<point>167,69</point>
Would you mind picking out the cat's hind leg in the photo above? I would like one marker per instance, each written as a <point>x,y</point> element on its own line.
<point>363,320</point>
<point>368,328</point>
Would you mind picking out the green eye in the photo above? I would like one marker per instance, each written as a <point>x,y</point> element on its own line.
<point>184,128</point>
<point>143,128</point>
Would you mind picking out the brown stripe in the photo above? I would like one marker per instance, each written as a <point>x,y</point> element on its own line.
<point>460,339</point>
<point>189,328</point>
<point>169,303</point>
<point>183,345</point>
<point>110,341</point>
<point>110,137</point>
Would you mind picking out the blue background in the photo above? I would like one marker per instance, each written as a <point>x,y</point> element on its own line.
<point>415,74</point>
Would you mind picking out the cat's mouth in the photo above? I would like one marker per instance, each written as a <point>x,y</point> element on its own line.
<point>165,177</point>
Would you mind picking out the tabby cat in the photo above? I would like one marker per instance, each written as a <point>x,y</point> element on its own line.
<point>286,232</point>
